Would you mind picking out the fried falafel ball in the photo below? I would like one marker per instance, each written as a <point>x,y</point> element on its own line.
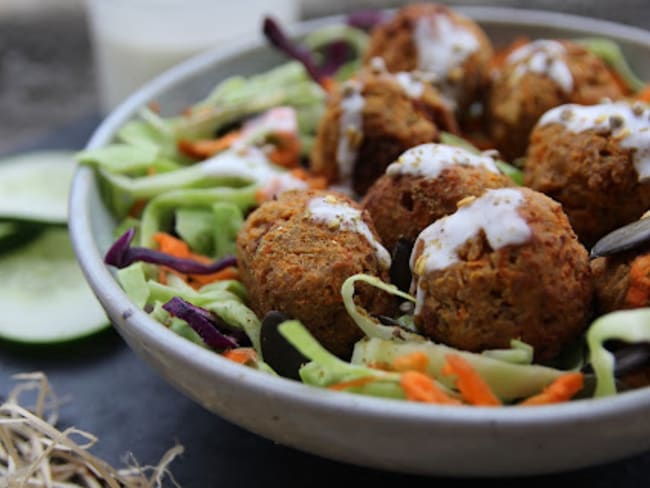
<point>505,266</point>
<point>535,78</point>
<point>371,120</point>
<point>452,50</point>
<point>595,161</point>
<point>294,253</point>
<point>424,184</point>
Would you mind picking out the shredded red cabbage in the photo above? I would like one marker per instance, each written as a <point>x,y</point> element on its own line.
<point>206,324</point>
<point>276,36</point>
<point>367,19</point>
<point>335,53</point>
<point>122,254</point>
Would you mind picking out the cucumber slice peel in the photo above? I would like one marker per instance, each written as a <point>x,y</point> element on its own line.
<point>34,186</point>
<point>44,297</point>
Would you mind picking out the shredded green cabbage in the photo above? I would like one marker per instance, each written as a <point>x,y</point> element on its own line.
<point>625,325</point>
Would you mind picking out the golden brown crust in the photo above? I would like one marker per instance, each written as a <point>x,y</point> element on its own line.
<point>591,175</point>
<point>516,102</point>
<point>393,41</point>
<point>392,123</point>
<point>402,206</point>
<point>294,265</point>
<point>539,292</point>
<point>611,277</point>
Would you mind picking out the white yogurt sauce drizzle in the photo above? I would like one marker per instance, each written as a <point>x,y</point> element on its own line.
<point>350,128</point>
<point>627,123</point>
<point>413,87</point>
<point>544,57</point>
<point>495,213</point>
<point>442,45</point>
<point>410,83</point>
<point>338,215</point>
<point>429,160</point>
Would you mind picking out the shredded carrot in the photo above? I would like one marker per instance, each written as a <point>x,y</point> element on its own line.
<point>171,245</point>
<point>241,355</point>
<point>206,148</point>
<point>137,208</point>
<point>415,361</point>
<point>471,386</point>
<point>198,280</point>
<point>418,387</point>
<point>638,293</point>
<point>643,94</point>
<point>176,247</point>
<point>314,182</point>
<point>359,382</point>
<point>286,150</point>
<point>561,390</point>
<point>328,83</point>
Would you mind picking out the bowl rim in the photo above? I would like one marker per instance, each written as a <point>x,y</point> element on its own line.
<point>112,297</point>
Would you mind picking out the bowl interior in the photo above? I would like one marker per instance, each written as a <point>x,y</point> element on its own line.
<point>360,430</point>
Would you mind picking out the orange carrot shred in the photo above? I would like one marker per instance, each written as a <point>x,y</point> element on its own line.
<point>638,293</point>
<point>561,390</point>
<point>176,247</point>
<point>644,94</point>
<point>206,148</point>
<point>241,355</point>
<point>415,361</point>
<point>286,150</point>
<point>359,382</point>
<point>418,387</point>
<point>471,386</point>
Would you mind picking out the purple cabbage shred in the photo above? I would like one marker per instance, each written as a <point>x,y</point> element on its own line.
<point>278,38</point>
<point>122,254</point>
<point>206,324</point>
<point>335,53</point>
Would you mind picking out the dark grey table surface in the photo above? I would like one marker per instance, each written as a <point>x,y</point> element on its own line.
<point>117,397</point>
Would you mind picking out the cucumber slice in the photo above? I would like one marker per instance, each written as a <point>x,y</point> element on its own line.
<point>35,185</point>
<point>44,297</point>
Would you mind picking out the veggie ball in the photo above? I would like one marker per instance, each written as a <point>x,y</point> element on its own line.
<point>505,266</point>
<point>452,50</point>
<point>294,254</point>
<point>370,121</point>
<point>425,184</point>
<point>536,77</point>
<point>595,161</point>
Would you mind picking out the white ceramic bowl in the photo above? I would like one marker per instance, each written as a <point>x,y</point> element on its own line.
<point>399,436</point>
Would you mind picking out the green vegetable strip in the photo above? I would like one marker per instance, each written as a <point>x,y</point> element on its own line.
<point>507,380</point>
<point>239,315</point>
<point>127,159</point>
<point>627,325</point>
<point>195,226</point>
<point>611,54</point>
<point>159,212</point>
<point>237,98</point>
<point>367,324</point>
<point>134,283</point>
<point>519,353</point>
<point>227,219</point>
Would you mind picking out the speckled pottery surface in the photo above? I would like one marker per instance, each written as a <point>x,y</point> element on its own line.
<point>393,435</point>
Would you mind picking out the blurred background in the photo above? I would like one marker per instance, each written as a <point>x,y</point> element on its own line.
<point>47,80</point>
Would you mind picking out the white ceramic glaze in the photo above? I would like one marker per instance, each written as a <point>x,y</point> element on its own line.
<point>393,435</point>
